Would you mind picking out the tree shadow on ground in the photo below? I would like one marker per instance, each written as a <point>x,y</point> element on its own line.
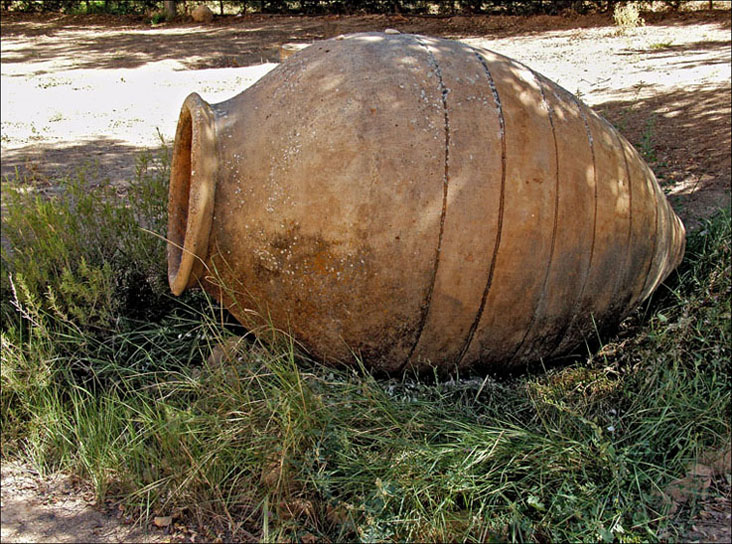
<point>685,137</point>
<point>254,39</point>
<point>669,50</point>
<point>47,162</point>
<point>688,55</point>
<point>115,48</point>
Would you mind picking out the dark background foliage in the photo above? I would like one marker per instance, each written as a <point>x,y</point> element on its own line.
<point>323,7</point>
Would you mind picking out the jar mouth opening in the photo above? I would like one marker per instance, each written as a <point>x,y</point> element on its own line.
<point>191,193</point>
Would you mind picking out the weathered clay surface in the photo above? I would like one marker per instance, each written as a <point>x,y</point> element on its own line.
<point>416,202</point>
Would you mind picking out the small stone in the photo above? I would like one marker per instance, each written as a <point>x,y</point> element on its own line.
<point>202,14</point>
<point>391,31</point>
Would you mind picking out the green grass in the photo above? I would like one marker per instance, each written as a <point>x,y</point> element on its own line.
<point>105,374</point>
<point>660,45</point>
<point>647,144</point>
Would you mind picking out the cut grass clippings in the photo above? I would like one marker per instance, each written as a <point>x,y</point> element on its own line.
<point>107,375</point>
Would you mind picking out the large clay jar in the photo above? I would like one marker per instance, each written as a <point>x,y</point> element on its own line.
<point>414,202</point>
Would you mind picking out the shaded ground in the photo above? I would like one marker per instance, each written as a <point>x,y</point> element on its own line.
<point>57,509</point>
<point>78,88</point>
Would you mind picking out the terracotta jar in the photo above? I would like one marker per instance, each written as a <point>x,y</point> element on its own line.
<point>413,202</point>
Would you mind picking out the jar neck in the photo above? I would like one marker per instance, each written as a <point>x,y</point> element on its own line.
<point>191,193</point>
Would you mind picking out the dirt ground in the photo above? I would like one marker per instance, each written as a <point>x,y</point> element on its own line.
<point>78,88</point>
<point>59,509</point>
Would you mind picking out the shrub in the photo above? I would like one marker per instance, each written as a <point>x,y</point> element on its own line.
<point>627,16</point>
<point>88,255</point>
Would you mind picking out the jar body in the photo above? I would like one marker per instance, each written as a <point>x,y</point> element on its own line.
<point>418,202</point>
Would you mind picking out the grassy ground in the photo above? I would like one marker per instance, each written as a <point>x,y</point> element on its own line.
<point>105,374</point>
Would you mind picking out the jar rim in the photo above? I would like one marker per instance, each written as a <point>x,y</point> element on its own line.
<point>191,193</point>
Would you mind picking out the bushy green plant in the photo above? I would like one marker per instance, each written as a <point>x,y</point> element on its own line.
<point>157,18</point>
<point>88,254</point>
<point>84,285</point>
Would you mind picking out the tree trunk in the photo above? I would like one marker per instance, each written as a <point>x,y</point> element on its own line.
<point>169,7</point>
<point>221,6</point>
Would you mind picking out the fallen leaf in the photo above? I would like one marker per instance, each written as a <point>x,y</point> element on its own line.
<point>296,508</point>
<point>271,474</point>
<point>337,514</point>
<point>224,352</point>
<point>309,538</point>
<point>697,480</point>
<point>163,521</point>
<point>720,461</point>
